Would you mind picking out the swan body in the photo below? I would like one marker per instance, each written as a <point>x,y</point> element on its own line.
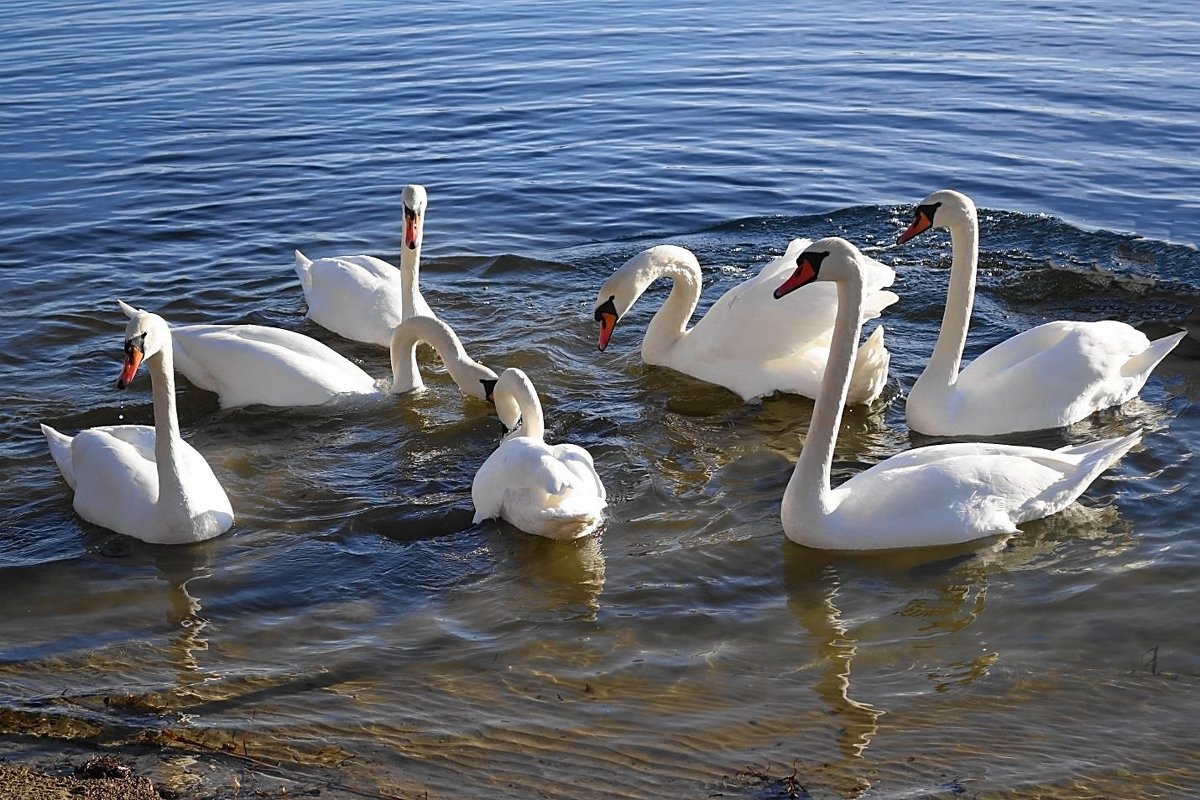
<point>937,495</point>
<point>254,364</point>
<point>141,481</point>
<point>364,298</point>
<point>737,343</point>
<point>547,490</point>
<point>1046,377</point>
<point>258,365</point>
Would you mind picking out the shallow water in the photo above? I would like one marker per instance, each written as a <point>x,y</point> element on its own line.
<point>353,619</point>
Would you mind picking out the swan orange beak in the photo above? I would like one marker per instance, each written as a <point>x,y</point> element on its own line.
<point>805,274</point>
<point>412,229</point>
<point>133,360</point>
<point>608,324</point>
<point>920,224</point>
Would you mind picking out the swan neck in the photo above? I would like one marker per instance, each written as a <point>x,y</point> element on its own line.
<point>167,441</point>
<point>406,376</point>
<point>533,424</point>
<point>809,484</point>
<point>669,324</point>
<point>946,360</point>
<point>405,373</point>
<point>410,273</point>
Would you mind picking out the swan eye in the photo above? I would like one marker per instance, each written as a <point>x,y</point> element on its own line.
<point>489,386</point>
<point>927,211</point>
<point>136,343</point>
<point>409,213</point>
<point>609,306</point>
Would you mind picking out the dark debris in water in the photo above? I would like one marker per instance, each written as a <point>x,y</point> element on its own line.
<point>100,767</point>
<point>771,787</point>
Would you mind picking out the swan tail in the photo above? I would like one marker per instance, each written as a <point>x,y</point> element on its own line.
<point>1141,365</point>
<point>1107,450</point>
<point>572,521</point>
<point>1094,458</point>
<point>304,270</point>
<point>870,370</point>
<point>60,449</point>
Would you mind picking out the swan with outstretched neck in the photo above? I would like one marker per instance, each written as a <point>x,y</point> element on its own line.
<point>144,482</point>
<point>259,365</point>
<point>364,298</point>
<point>547,490</point>
<point>746,341</point>
<point>938,495</point>
<point>1046,377</point>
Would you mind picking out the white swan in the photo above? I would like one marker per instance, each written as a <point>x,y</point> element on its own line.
<point>1046,377</point>
<point>746,342</point>
<point>938,495</point>
<point>362,297</point>
<point>548,490</point>
<point>254,364</point>
<point>141,481</point>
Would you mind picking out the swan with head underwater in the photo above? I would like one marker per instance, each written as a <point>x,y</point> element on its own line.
<point>738,343</point>
<point>547,490</point>
<point>145,482</point>
<point>937,495</point>
<point>1049,376</point>
<point>364,298</point>
<point>260,365</point>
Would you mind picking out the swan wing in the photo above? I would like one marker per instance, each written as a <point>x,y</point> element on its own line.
<point>358,297</point>
<point>252,364</point>
<point>748,323</point>
<point>1052,375</point>
<point>116,478</point>
<point>952,493</point>
<point>579,462</point>
<point>117,486</point>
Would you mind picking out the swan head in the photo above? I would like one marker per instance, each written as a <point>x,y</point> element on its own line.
<point>145,335</point>
<point>829,259</point>
<point>625,286</point>
<point>944,208</point>
<point>413,199</point>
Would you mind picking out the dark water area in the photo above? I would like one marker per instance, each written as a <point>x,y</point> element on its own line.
<point>355,626</point>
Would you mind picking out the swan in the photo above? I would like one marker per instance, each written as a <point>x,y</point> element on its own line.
<point>1046,377</point>
<point>548,490</point>
<point>737,343</point>
<point>938,495</point>
<point>143,481</point>
<point>255,364</point>
<point>362,297</point>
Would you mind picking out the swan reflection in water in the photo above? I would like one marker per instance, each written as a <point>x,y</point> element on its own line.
<point>553,575</point>
<point>938,595</point>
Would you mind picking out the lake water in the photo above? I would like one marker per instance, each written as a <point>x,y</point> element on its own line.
<point>356,629</point>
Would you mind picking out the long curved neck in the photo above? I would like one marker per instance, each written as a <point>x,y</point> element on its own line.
<point>809,484</point>
<point>942,368</point>
<point>533,424</point>
<point>410,273</point>
<point>669,323</point>
<point>172,499</point>
<point>405,373</point>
